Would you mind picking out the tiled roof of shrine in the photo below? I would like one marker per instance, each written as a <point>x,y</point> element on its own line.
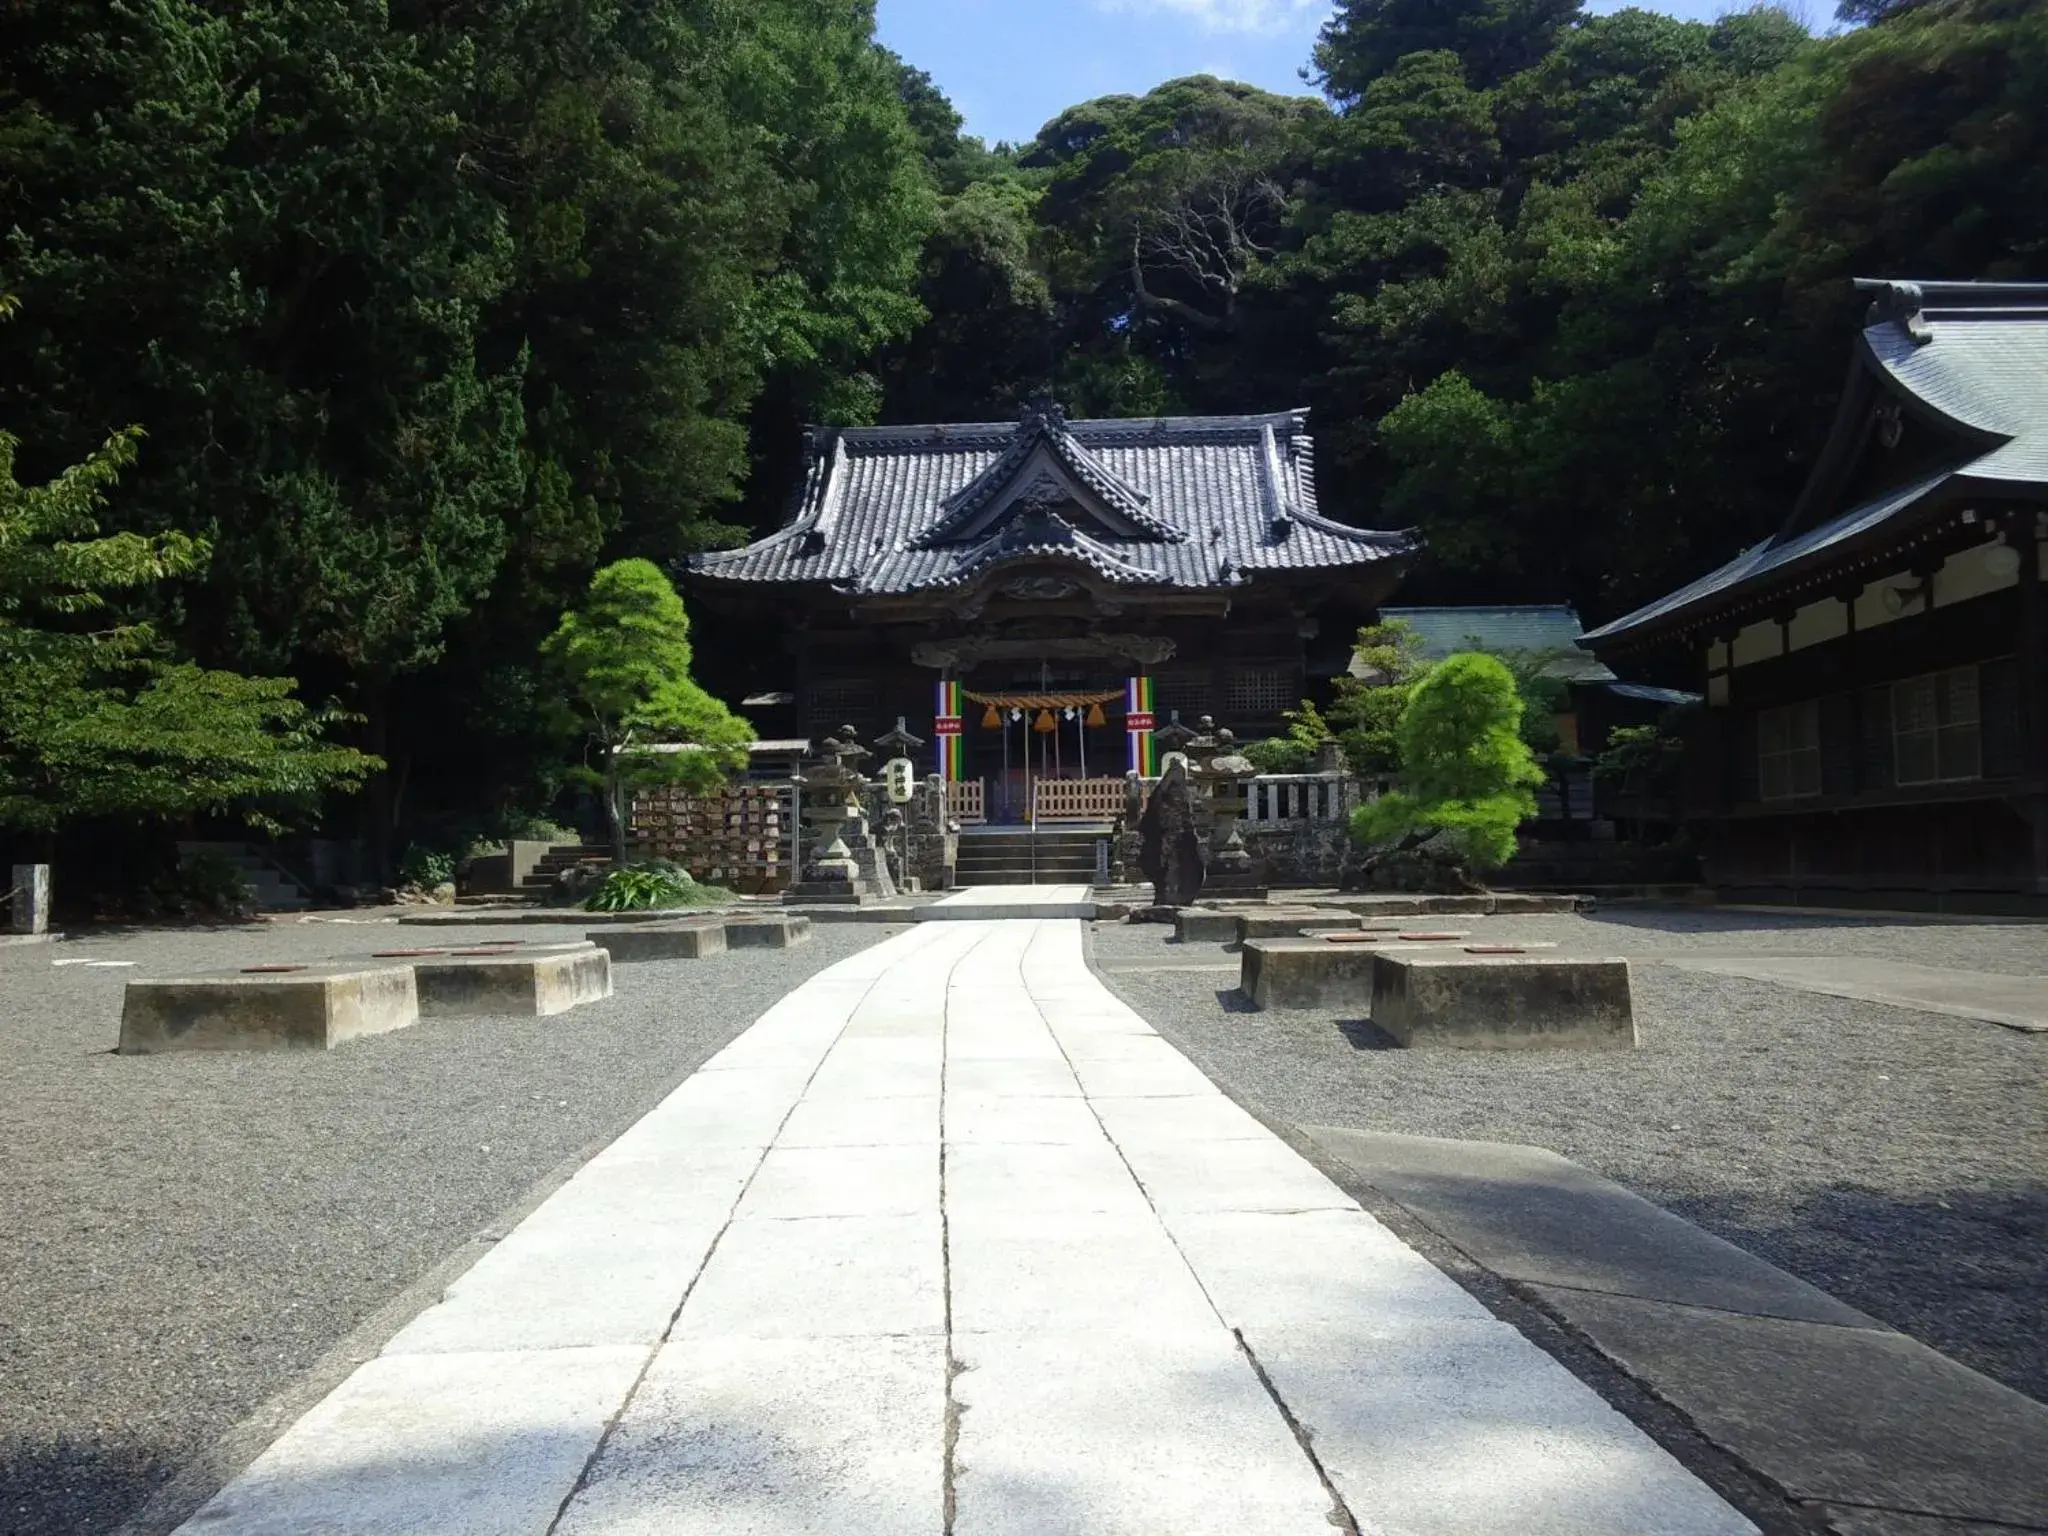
<point>1191,502</point>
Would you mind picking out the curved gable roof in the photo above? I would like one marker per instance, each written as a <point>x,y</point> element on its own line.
<point>1185,503</point>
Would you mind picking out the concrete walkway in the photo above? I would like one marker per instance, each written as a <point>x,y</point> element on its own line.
<point>2017,1002</point>
<point>952,1242</point>
<point>995,903</point>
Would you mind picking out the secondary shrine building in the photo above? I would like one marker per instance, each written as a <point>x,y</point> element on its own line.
<point>1876,675</point>
<point>1035,597</point>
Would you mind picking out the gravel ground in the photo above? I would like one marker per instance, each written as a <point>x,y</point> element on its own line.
<point>1896,1159</point>
<point>182,1236</point>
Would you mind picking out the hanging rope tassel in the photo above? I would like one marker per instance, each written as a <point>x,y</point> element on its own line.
<point>1095,717</point>
<point>990,720</point>
<point>1045,723</point>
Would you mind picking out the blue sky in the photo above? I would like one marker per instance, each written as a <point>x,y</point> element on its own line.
<point>1009,65</point>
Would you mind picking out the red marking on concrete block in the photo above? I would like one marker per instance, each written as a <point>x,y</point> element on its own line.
<point>1432,938</point>
<point>403,954</point>
<point>1495,949</point>
<point>269,970</point>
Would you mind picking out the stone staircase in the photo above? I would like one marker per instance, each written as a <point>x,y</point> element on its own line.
<point>540,882</point>
<point>270,886</point>
<point>1062,855</point>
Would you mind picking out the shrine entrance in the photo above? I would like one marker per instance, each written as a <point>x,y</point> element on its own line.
<point>1051,751</point>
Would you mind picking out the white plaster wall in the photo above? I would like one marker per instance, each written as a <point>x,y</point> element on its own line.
<point>1967,574</point>
<point>1717,688</point>
<point>1717,656</point>
<point>1870,608</point>
<point>1827,619</point>
<point>1759,642</point>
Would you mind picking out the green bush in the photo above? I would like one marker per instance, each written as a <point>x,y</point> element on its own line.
<point>422,868</point>
<point>652,887</point>
<point>1465,769</point>
<point>1278,754</point>
<point>204,885</point>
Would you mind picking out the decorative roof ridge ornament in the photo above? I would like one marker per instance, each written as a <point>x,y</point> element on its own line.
<point>1896,299</point>
<point>1043,423</point>
<point>1039,532</point>
<point>1279,506</point>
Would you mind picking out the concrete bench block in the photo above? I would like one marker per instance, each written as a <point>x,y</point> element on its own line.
<point>1503,1003</point>
<point>1307,973</point>
<point>525,983</point>
<point>1285,922</point>
<point>300,1008</point>
<point>663,941</point>
<point>1203,925</point>
<point>771,930</point>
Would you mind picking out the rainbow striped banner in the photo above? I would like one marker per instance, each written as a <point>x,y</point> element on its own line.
<point>948,745</point>
<point>1138,726</point>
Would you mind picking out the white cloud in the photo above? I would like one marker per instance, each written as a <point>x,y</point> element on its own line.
<point>1259,16</point>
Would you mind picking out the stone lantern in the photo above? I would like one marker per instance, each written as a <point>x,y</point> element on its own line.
<point>832,786</point>
<point>1222,772</point>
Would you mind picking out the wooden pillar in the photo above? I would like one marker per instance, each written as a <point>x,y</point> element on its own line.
<point>2023,532</point>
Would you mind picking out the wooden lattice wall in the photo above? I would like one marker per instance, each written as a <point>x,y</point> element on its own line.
<point>739,837</point>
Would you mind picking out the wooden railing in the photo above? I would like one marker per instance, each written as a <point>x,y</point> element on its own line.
<point>967,803</point>
<point>1078,800</point>
<point>741,837</point>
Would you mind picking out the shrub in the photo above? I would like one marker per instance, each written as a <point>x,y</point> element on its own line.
<point>1465,770</point>
<point>651,887</point>
<point>422,868</point>
<point>1278,754</point>
<point>204,885</point>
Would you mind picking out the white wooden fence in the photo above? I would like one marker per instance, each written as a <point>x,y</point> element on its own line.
<point>1078,799</point>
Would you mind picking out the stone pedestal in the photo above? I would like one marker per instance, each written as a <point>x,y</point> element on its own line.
<point>1288,922</point>
<point>690,940</point>
<point>1202,925</point>
<point>293,1008</point>
<point>768,930</point>
<point>31,905</point>
<point>1307,973</point>
<point>530,984</point>
<point>1512,1003</point>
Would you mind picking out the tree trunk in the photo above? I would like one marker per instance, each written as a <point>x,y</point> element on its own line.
<point>615,814</point>
<point>379,793</point>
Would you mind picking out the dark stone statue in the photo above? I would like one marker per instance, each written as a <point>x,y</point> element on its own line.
<point>1170,844</point>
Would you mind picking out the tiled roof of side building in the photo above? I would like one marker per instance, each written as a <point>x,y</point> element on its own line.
<point>1974,355</point>
<point>1179,502</point>
<point>1537,628</point>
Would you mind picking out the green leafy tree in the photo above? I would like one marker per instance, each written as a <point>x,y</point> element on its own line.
<point>1465,770</point>
<point>96,720</point>
<point>1365,716</point>
<point>1296,752</point>
<point>624,662</point>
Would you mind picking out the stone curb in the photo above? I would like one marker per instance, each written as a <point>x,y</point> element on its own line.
<point>1862,1429</point>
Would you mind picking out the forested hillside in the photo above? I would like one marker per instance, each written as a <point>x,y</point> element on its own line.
<point>425,310</point>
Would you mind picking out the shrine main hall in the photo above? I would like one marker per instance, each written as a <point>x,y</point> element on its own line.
<point>1036,597</point>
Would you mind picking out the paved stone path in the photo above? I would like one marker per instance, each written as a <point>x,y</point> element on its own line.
<point>951,1241</point>
<point>993,902</point>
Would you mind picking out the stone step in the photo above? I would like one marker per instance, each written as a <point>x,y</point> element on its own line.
<point>271,889</point>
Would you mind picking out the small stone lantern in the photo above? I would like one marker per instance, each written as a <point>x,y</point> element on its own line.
<point>1222,772</point>
<point>832,783</point>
